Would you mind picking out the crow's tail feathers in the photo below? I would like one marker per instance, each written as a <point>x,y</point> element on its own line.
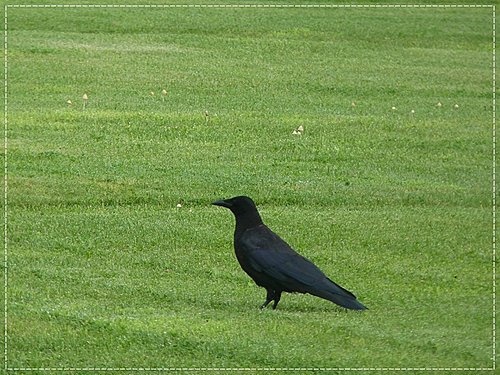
<point>342,300</point>
<point>348,303</point>
<point>335,293</point>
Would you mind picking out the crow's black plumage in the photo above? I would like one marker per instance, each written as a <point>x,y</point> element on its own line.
<point>273,264</point>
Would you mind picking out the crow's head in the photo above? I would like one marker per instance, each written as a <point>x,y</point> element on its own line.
<point>243,208</point>
<point>239,204</point>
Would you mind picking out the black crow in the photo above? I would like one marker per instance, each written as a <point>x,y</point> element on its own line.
<point>273,264</point>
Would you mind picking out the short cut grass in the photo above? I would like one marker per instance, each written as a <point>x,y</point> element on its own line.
<point>104,268</point>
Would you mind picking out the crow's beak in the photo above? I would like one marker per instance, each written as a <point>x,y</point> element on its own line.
<point>222,203</point>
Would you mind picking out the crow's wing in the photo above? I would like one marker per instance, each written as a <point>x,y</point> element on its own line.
<point>267,253</point>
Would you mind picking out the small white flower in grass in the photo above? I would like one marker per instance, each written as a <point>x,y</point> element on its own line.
<point>353,104</point>
<point>164,93</point>
<point>85,100</point>
<point>152,93</point>
<point>439,104</point>
<point>178,205</point>
<point>412,111</point>
<point>299,130</point>
<point>455,106</point>
<point>69,102</point>
<point>393,108</point>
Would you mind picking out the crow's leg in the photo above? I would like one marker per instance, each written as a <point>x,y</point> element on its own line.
<point>269,298</point>
<point>277,297</point>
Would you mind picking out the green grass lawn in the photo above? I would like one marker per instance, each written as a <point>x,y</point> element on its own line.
<point>104,270</point>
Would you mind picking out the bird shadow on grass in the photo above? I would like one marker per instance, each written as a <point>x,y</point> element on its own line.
<point>291,308</point>
<point>309,309</point>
